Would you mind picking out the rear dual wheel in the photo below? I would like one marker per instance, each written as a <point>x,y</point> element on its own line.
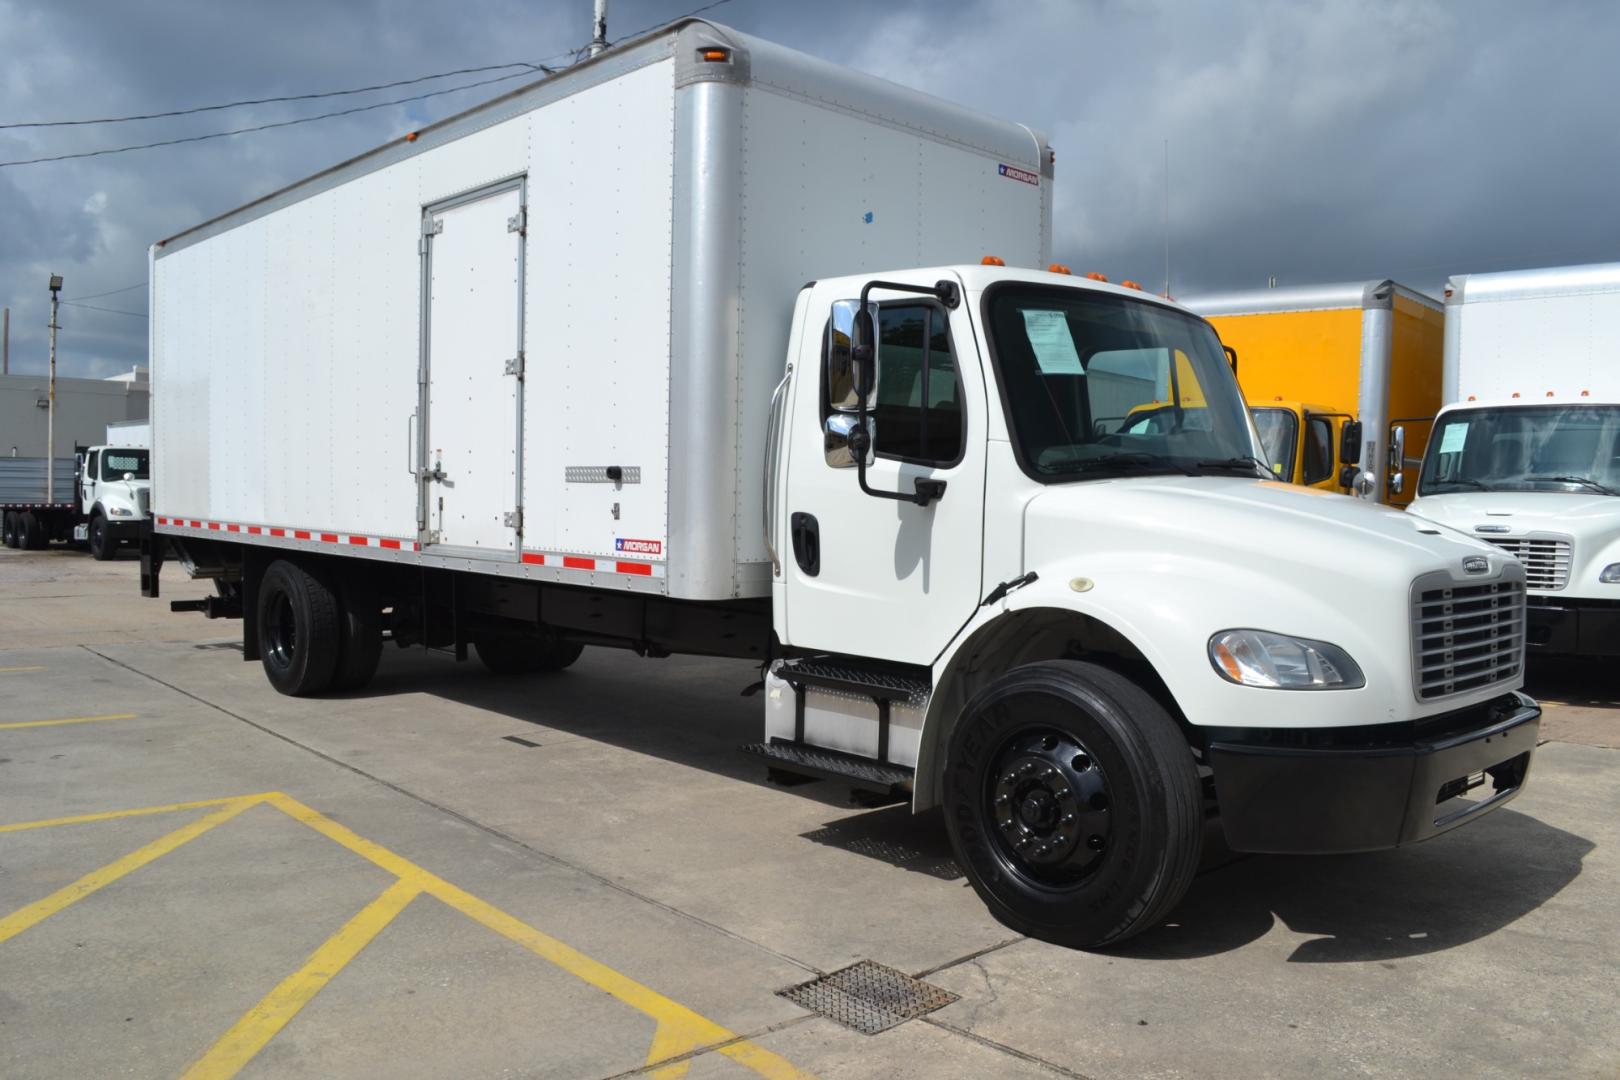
<point>1073,803</point>
<point>8,529</point>
<point>315,635</point>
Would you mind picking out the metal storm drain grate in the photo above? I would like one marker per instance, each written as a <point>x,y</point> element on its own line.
<point>868,997</point>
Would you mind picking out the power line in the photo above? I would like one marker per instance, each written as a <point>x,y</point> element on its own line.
<point>109,292</point>
<point>108,310</point>
<point>666,22</point>
<point>267,100</point>
<point>267,127</point>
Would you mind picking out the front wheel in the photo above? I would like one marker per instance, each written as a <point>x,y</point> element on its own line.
<point>1073,804</point>
<point>102,546</point>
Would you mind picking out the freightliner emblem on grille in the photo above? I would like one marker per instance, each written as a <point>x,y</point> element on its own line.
<point>1491,528</point>
<point>1476,564</point>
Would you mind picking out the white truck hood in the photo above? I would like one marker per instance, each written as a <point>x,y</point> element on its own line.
<point>1590,522</point>
<point>1169,561</point>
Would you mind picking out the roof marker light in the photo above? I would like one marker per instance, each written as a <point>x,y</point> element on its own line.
<point>411,136</point>
<point>1471,397</point>
<point>1586,393</point>
<point>1515,393</point>
<point>1058,268</point>
<point>715,56</point>
<point>1549,393</point>
<point>1094,276</point>
<point>1129,284</point>
<point>992,260</point>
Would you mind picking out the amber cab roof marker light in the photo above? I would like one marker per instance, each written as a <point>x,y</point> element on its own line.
<point>411,136</point>
<point>1129,284</point>
<point>1058,268</point>
<point>992,260</point>
<point>1092,275</point>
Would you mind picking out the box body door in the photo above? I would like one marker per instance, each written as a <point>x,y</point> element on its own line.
<point>471,477</point>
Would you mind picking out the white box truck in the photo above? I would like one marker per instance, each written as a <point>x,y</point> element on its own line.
<point>620,359</point>
<point>1526,453</point>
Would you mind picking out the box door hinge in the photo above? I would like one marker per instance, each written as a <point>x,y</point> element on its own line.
<point>431,227</point>
<point>514,520</point>
<point>514,366</point>
<point>519,222</point>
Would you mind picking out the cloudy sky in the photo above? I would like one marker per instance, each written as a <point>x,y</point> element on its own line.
<point>1314,140</point>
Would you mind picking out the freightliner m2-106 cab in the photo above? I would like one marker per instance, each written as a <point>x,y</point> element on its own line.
<point>622,359</point>
<point>100,499</point>
<point>1526,453</point>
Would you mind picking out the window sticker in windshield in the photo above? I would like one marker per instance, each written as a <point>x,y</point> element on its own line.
<point>1049,337</point>
<point>1455,436</point>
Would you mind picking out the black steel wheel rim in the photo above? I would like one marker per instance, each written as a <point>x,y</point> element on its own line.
<point>280,632</point>
<point>98,534</point>
<point>1049,807</point>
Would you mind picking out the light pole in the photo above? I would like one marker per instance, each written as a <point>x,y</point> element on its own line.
<point>599,27</point>
<point>50,413</point>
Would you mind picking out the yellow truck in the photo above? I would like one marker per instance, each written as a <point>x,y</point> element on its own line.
<point>1343,380</point>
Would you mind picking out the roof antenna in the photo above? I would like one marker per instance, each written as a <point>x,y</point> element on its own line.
<point>599,28</point>
<point>1166,293</point>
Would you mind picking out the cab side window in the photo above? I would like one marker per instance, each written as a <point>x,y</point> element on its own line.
<point>1318,450</point>
<point>918,416</point>
<point>92,467</point>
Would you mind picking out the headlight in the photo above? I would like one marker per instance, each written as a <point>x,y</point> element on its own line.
<point>119,511</point>
<point>1260,658</point>
<point>1611,574</point>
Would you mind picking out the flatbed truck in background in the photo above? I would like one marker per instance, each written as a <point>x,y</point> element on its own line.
<point>99,498</point>
<point>1526,453</point>
<point>1343,380</point>
<point>624,359</point>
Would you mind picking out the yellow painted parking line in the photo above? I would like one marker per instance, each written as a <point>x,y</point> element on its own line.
<point>261,1023</point>
<point>40,910</point>
<point>113,815</point>
<point>678,1026</point>
<point>21,670</point>
<point>679,1031</point>
<point>67,720</point>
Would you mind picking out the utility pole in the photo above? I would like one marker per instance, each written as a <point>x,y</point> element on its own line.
<point>5,343</point>
<point>50,414</point>
<point>599,28</point>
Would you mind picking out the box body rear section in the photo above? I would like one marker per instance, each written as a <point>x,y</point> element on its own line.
<point>539,339</point>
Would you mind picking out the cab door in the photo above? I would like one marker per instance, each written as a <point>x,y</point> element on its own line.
<point>877,577</point>
<point>89,470</point>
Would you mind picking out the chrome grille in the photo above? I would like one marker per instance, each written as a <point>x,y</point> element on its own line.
<point>1466,636</point>
<point>1546,559</point>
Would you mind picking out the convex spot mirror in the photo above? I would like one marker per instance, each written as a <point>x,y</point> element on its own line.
<point>840,440</point>
<point>851,333</point>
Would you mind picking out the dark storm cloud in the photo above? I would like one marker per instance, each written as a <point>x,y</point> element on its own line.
<point>1312,140</point>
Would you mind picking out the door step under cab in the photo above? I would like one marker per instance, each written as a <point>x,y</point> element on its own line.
<point>812,761</point>
<point>849,721</point>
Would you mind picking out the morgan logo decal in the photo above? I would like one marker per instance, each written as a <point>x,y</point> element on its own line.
<point>638,547</point>
<point>1013,172</point>
<point>1475,564</point>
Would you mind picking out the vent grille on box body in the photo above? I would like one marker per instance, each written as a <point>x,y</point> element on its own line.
<point>1465,636</point>
<point>1546,560</point>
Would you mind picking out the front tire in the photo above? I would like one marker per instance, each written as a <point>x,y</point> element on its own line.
<point>299,634</point>
<point>1073,804</point>
<point>102,546</point>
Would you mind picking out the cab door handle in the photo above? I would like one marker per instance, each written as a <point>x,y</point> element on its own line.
<point>806,534</point>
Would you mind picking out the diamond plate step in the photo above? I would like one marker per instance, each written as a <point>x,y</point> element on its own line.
<point>888,685</point>
<point>856,771</point>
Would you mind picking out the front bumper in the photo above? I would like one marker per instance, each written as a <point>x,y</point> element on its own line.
<point>1363,789</point>
<point>1566,626</point>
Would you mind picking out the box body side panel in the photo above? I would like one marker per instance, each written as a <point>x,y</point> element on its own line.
<point>1307,356</point>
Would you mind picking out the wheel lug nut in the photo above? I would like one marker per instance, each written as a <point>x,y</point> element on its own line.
<point>1049,742</point>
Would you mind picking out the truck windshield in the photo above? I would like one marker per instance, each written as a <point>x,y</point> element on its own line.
<point>115,463</point>
<point>1525,448</point>
<point>1278,429</point>
<point>1098,385</point>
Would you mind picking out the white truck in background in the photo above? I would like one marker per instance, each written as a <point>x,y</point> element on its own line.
<point>656,387</point>
<point>101,495</point>
<point>1526,453</point>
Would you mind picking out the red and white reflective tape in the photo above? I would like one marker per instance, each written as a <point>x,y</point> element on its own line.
<point>312,535</point>
<point>588,562</point>
<point>630,567</point>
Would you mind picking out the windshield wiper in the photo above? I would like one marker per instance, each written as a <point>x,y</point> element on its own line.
<point>1247,462</point>
<point>1131,459</point>
<point>1584,481</point>
<point>1469,480</point>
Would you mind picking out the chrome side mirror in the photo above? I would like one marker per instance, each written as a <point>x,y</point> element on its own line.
<point>1397,459</point>
<point>845,375</point>
<point>839,436</point>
